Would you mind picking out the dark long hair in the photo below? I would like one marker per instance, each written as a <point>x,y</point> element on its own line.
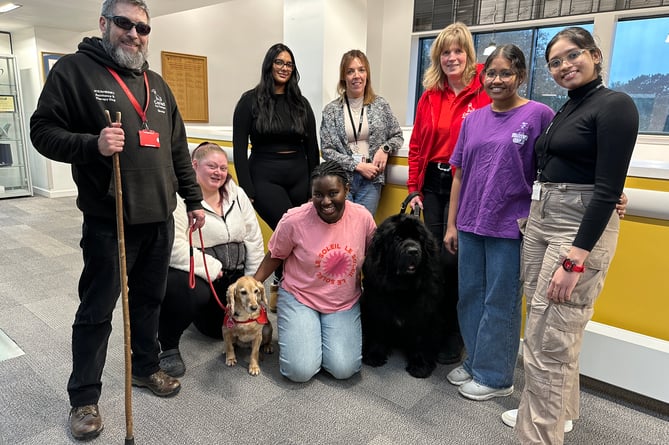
<point>267,120</point>
<point>581,38</point>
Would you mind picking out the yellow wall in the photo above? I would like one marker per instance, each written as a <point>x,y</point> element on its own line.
<point>636,290</point>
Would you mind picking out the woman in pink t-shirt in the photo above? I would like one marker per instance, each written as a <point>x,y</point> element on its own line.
<point>322,245</point>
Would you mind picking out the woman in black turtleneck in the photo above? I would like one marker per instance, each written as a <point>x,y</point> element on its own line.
<point>571,234</point>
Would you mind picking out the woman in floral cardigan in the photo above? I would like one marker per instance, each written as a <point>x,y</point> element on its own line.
<point>359,131</point>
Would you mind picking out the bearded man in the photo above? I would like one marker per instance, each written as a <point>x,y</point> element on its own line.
<point>70,125</point>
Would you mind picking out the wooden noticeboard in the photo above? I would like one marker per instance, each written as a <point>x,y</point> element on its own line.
<point>187,77</point>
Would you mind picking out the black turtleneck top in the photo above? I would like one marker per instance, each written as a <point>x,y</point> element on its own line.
<point>590,141</point>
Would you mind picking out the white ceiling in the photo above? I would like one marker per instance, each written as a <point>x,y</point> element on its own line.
<point>80,15</point>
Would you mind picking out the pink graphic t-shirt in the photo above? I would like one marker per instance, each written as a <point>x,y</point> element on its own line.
<point>323,262</point>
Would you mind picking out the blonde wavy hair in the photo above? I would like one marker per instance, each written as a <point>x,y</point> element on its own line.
<point>454,34</point>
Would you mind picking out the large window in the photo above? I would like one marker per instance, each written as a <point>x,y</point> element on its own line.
<point>640,67</point>
<point>540,85</point>
<point>640,70</point>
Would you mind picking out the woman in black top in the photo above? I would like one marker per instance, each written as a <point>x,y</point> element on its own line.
<point>571,233</point>
<point>281,127</point>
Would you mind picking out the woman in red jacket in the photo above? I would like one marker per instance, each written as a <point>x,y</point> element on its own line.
<point>452,90</point>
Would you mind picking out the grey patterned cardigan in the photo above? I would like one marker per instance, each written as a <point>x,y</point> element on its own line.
<point>384,129</point>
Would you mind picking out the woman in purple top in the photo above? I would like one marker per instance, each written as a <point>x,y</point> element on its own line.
<point>492,185</point>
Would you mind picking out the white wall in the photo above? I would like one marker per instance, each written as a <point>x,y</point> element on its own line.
<point>389,28</point>
<point>234,36</point>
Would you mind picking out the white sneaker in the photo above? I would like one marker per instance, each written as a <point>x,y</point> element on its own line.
<point>476,391</point>
<point>458,376</point>
<point>509,419</point>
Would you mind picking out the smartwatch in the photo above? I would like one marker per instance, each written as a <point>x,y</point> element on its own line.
<point>570,266</point>
<point>386,149</point>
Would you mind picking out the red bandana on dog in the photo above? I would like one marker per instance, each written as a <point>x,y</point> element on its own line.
<point>230,322</point>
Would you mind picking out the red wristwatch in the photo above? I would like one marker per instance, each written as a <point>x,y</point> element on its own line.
<point>570,266</point>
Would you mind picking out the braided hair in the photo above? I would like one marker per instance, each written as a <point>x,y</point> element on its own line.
<point>330,168</point>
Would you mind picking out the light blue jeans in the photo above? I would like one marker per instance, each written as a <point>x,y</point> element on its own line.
<point>309,340</point>
<point>365,192</point>
<point>489,306</point>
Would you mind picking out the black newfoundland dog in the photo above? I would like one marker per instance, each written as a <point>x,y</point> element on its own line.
<point>402,299</point>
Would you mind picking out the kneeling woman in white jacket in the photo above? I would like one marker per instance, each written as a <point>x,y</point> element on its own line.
<point>233,247</point>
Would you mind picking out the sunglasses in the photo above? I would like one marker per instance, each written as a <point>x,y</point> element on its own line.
<point>125,23</point>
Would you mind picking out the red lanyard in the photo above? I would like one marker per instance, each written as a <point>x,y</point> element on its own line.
<point>131,97</point>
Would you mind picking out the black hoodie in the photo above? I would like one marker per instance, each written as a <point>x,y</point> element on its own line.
<point>68,120</point>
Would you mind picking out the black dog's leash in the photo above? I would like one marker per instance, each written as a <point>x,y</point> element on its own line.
<point>415,211</point>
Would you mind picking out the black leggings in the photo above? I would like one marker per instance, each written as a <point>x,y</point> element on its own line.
<point>281,182</point>
<point>183,306</point>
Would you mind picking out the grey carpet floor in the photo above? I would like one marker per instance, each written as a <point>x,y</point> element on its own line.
<point>40,262</point>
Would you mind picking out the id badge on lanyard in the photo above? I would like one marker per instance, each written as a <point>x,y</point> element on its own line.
<point>536,191</point>
<point>147,137</point>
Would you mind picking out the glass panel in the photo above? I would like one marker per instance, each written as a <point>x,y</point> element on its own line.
<point>424,46</point>
<point>14,180</point>
<point>644,75</point>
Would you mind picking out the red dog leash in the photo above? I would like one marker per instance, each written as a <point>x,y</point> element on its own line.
<point>191,275</point>
<point>228,320</point>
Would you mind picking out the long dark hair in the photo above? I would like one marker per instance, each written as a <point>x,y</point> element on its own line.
<point>581,38</point>
<point>267,120</point>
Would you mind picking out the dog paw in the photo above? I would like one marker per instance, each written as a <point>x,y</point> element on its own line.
<point>231,361</point>
<point>254,370</point>
<point>420,370</point>
<point>268,349</point>
<point>374,360</point>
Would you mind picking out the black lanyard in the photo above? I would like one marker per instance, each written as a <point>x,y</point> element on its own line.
<point>350,115</point>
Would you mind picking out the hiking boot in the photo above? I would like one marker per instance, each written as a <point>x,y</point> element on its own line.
<point>159,383</point>
<point>85,422</point>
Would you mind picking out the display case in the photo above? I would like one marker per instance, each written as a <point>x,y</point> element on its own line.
<point>14,173</point>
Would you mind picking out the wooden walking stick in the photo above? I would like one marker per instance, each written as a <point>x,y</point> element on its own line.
<point>129,436</point>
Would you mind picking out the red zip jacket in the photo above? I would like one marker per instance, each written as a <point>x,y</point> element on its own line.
<point>422,145</point>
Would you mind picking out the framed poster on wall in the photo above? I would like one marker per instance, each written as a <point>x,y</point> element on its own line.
<point>48,60</point>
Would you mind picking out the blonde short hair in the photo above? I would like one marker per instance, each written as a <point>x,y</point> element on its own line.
<point>454,34</point>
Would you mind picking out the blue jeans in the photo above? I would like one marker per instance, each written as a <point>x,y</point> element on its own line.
<point>309,340</point>
<point>489,306</point>
<point>365,192</point>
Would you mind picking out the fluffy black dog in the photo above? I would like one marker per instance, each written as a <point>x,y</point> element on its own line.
<point>402,299</point>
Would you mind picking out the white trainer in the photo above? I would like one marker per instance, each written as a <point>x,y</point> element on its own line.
<point>509,418</point>
<point>476,391</point>
<point>458,376</point>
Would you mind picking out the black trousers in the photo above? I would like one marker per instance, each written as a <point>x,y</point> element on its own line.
<point>147,248</point>
<point>281,181</point>
<point>183,306</point>
<point>436,199</point>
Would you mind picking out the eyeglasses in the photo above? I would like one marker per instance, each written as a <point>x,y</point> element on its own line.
<point>504,75</point>
<point>556,63</point>
<point>125,23</point>
<point>280,64</point>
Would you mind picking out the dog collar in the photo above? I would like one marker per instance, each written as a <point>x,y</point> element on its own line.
<point>229,321</point>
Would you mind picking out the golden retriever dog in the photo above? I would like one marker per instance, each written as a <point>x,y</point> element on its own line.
<point>246,321</point>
